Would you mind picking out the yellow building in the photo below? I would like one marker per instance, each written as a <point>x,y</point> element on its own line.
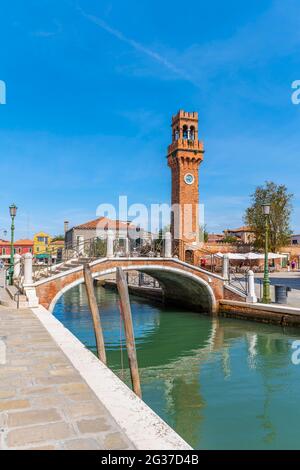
<point>41,243</point>
<point>56,249</point>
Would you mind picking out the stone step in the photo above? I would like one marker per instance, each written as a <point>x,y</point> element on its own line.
<point>7,300</point>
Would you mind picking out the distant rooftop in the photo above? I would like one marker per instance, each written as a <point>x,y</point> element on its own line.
<point>244,228</point>
<point>105,223</point>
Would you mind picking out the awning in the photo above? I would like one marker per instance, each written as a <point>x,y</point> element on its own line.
<point>231,255</point>
<point>42,256</point>
<point>250,256</point>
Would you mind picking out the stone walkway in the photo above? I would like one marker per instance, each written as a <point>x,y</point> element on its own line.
<point>289,279</point>
<point>44,401</point>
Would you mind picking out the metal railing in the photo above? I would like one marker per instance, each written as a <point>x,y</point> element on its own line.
<point>139,248</point>
<point>141,279</point>
<point>94,248</point>
<point>239,282</point>
<point>79,253</point>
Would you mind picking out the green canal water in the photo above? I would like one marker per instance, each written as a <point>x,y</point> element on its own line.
<point>221,384</point>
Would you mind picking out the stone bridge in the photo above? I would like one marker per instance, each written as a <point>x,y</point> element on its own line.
<point>181,283</point>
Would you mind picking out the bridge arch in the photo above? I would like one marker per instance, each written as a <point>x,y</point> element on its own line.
<point>179,287</point>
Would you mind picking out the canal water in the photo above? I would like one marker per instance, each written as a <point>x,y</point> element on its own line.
<point>221,384</point>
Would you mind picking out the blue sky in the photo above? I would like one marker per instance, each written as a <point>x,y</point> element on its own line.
<point>92,85</point>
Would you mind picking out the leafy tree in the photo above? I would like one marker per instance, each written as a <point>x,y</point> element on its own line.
<point>279,218</point>
<point>58,237</point>
<point>203,233</point>
<point>159,239</point>
<point>230,239</point>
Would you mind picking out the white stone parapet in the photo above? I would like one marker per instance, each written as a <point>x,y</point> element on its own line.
<point>251,296</point>
<point>110,244</point>
<point>29,289</point>
<point>225,270</point>
<point>168,245</point>
<point>28,269</point>
<point>17,265</point>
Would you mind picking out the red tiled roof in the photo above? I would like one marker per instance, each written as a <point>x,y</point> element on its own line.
<point>17,242</point>
<point>245,228</point>
<point>215,236</point>
<point>105,223</point>
<point>23,242</point>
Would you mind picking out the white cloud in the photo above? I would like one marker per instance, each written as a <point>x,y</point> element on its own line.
<point>139,47</point>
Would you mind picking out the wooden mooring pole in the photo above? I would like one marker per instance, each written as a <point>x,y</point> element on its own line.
<point>95,313</point>
<point>129,333</point>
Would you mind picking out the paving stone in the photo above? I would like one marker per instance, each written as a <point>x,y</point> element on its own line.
<point>63,373</point>
<point>24,418</point>
<point>34,434</point>
<point>48,401</point>
<point>44,402</point>
<point>81,410</point>
<point>40,448</point>
<point>37,390</point>
<point>54,380</point>
<point>82,444</point>
<point>74,388</point>
<point>14,404</point>
<point>115,441</point>
<point>6,394</point>
<point>92,425</point>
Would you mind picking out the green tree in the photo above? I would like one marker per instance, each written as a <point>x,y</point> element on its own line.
<point>280,214</point>
<point>58,237</point>
<point>203,233</point>
<point>230,239</point>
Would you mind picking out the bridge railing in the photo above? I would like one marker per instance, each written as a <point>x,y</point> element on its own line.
<point>239,281</point>
<point>85,251</point>
<point>89,249</point>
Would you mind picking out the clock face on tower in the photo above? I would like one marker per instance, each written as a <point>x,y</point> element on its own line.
<point>189,178</point>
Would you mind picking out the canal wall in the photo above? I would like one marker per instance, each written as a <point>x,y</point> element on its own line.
<point>143,427</point>
<point>273,314</point>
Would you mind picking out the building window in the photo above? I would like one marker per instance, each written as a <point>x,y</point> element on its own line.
<point>20,250</point>
<point>3,251</point>
<point>37,248</point>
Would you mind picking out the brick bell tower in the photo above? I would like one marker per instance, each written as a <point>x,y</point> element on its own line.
<point>184,157</point>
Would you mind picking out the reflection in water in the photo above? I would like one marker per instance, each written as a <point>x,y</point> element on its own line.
<point>221,383</point>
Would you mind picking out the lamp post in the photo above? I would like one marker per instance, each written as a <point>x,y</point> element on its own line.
<point>13,213</point>
<point>266,284</point>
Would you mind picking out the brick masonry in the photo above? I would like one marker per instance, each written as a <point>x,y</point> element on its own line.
<point>184,157</point>
<point>264,314</point>
<point>49,288</point>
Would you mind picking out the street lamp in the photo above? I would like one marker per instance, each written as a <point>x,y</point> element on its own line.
<point>12,212</point>
<point>266,285</point>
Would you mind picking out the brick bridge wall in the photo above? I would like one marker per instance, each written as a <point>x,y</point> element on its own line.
<point>49,290</point>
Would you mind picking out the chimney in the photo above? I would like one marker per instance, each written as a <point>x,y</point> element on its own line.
<point>66,226</point>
